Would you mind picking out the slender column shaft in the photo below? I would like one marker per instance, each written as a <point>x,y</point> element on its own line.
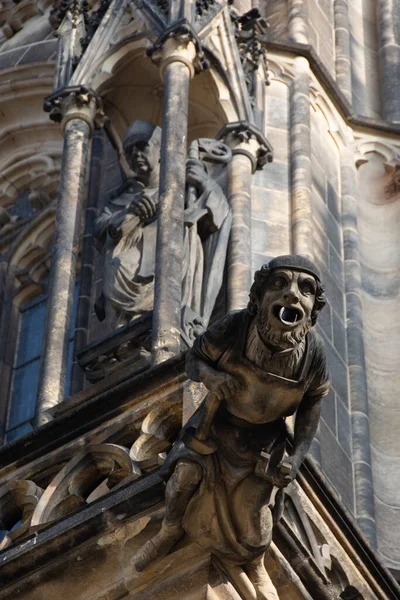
<point>86,287</point>
<point>53,367</point>
<point>239,248</point>
<point>342,46</point>
<point>298,23</point>
<point>168,276</point>
<point>300,150</point>
<point>364,496</point>
<point>389,57</point>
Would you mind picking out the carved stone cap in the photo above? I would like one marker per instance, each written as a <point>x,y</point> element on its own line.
<point>245,138</point>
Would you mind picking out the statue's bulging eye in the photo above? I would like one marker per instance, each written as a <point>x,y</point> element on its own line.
<point>307,287</point>
<point>279,283</point>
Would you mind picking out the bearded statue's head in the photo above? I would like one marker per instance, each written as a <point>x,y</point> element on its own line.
<point>286,297</point>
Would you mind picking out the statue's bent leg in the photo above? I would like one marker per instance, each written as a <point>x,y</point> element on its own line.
<point>239,579</point>
<point>259,577</point>
<point>180,488</point>
<point>253,517</point>
<point>254,525</point>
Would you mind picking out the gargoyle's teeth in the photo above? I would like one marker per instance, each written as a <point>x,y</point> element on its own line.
<point>288,316</point>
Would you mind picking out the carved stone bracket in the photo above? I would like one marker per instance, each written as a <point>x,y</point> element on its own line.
<point>177,36</point>
<point>75,102</point>
<point>245,138</point>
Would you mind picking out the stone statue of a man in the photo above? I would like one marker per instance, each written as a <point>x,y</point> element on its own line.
<point>260,365</point>
<point>127,232</point>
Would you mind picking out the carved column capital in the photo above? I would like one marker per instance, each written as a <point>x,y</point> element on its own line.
<point>245,138</point>
<point>179,43</point>
<point>175,49</point>
<point>75,103</point>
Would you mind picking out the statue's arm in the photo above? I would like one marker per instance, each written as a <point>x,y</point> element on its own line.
<point>219,383</point>
<point>202,360</point>
<point>305,428</point>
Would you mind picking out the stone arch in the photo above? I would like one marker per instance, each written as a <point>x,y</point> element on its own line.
<point>80,477</point>
<point>29,259</point>
<point>18,500</point>
<point>117,67</point>
<point>279,71</point>
<point>133,75</point>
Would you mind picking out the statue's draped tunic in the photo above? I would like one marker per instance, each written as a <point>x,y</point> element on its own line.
<point>130,251</point>
<point>222,499</point>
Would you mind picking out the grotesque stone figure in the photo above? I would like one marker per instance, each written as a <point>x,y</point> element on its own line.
<point>260,365</point>
<point>127,231</point>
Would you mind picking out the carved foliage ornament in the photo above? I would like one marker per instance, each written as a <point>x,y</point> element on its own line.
<point>251,37</point>
<point>393,169</point>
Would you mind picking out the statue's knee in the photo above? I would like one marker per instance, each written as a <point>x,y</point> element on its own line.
<point>187,473</point>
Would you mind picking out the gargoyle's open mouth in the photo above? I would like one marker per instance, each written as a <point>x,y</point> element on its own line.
<point>288,316</point>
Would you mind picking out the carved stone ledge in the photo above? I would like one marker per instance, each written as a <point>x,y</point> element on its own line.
<point>126,346</point>
<point>130,346</point>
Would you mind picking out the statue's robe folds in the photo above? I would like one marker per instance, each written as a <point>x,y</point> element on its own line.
<point>129,253</point>
<point>129,245</point>
<point>230,495</point>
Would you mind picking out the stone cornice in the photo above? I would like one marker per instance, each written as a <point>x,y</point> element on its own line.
<point>345,109</point>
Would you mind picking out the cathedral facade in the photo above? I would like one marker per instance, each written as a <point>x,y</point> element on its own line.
<point>154,155</point>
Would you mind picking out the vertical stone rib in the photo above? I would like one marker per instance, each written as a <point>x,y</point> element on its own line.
<point>298,23</point>
<point>239,249</point>
<point>388,16</point>
<point>85,305</point>
<point>364,494</point>
<point>342,47</point>
<point>53,365</point>
<point>168,276</point>
<point>300,150</point>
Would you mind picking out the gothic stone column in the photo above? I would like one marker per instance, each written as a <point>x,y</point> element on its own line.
<point>342,46</point>
<point>298,23</point>
<point>177,69</point>
<point>300,156</point>
<point>364,492</point>
<point>77,126</point>
<point>250,151</point>
<point>389,57</point>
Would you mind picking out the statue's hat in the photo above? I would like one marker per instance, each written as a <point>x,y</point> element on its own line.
<point>295,262</point>
<point>141,130</point>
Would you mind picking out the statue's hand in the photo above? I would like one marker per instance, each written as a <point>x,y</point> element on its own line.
<point>285,472</point>
<point>222,385</point>
<point>195,174</point>
<point>145,208</point>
